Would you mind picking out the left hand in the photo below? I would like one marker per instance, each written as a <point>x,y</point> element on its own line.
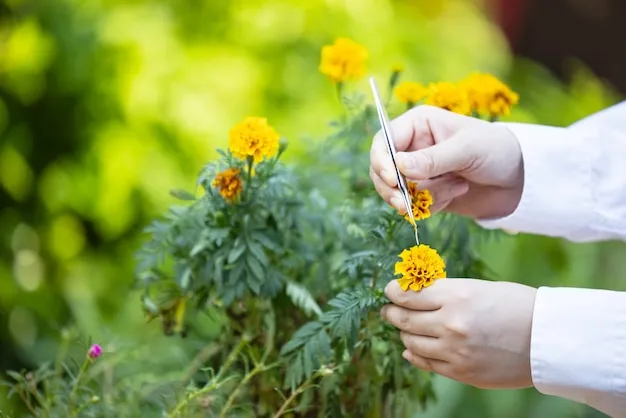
<point>473,331</point>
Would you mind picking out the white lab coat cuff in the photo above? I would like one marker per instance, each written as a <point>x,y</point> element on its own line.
<point>578,347</point>
<point>557,195</point>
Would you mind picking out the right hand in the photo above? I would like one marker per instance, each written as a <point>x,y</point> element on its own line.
<point>471,167</point>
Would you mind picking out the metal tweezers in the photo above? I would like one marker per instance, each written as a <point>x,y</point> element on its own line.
<point>391,147</point>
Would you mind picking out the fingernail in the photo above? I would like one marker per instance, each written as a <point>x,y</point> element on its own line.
<point>406,355</point>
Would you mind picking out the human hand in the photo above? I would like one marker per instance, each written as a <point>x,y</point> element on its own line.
<point>473,331</point>
<point>471,167</point>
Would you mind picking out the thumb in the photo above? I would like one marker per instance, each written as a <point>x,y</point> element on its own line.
<point>436,160</point>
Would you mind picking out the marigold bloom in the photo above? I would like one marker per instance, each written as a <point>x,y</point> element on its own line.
<point>419,268</point>
<point>253,137</point>
<point>343,61</point>
<point>421,201</point>
<point>449,96</point>
<point>410,92</point>
<point>228,183</point>
<point>95,351</point>
<point>488,95</point>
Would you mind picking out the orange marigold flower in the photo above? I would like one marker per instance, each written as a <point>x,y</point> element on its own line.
<point>255,138</point>
<point>410,92</point>
<point>228,183</point>
<point>421,201</point>
<point>449,96</point>
<point>488,95</point>
<point>419,268</point>
<point>343,61</point>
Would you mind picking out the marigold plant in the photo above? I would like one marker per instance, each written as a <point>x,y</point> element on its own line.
<point>255,138</point>
<point>410,92</point>
<point>419,268</point>
<point>489,96</point>
<point>287,264</point>
<point>345,60</point>
<point>228,183</point>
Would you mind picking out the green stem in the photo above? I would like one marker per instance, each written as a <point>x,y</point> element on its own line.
<point>207,389</point>
<point>39,399</point>
<point>82,371</point>
<point>299,390</point>
<point>231,399</point>
<point>217,381</point>
<point>26,401</point>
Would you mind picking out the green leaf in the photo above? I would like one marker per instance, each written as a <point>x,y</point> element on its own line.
<point>302,298</point>
<point>255,268</point>
<point>259,253</point>
<point>236,252</point>
<point>182,194</point>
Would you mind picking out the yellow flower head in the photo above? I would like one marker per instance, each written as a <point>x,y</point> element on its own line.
<point>253,137</point>
<point>343,61</point>
<point>421,201</point>
<point>419,268</point>
<point>449,96</point>
<point>410,92</point>
<point>228,183</point>
<point>488,95</point>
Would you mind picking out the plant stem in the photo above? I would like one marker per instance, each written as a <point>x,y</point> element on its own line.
<point>39,399</point>
<point>231,399</point>
<point>182,404</point>
<point>304,386</point>
<point>82,371</point>
<point>217,380</point>
<point>27,402</point>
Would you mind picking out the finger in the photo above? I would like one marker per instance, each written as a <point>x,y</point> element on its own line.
<point>389,194</point>
<point>428,299</point>
<point>381,162</point>
<point>425,323</point>
<point>418,128</point>
<point>454,155</point>
<point>428,347</point>
<point>445,188</point>
<point>426,364</point>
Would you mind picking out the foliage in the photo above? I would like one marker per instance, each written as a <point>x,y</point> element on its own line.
<point>261,248</point>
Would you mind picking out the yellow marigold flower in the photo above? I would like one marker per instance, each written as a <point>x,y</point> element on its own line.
<point>255,138</point>
<point>449,96</point>
<point>421,201</point>
<point>419,268</point>
<point>343,61</point>
<point>228,183</point>
<point>488,95</point>
<point>410,92</point>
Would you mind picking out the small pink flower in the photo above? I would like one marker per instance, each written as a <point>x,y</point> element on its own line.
<point>94,351</point>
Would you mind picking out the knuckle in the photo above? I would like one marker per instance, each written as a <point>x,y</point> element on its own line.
<point>457,327</point>
<point>427,162</point>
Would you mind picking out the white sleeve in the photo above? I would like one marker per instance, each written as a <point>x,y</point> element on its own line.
<point>575,188</point>
<point>578,347</point>
<point>574,179</point>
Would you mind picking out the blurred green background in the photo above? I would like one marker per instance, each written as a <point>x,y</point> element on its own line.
<point>105,105</point>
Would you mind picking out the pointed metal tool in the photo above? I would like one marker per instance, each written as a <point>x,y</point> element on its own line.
<point>391,147</point>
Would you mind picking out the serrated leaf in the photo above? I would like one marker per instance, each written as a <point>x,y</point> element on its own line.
<point>302,298</point>
<point>255,268</point>
<point>235,253</point>
<point>258,253</point>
